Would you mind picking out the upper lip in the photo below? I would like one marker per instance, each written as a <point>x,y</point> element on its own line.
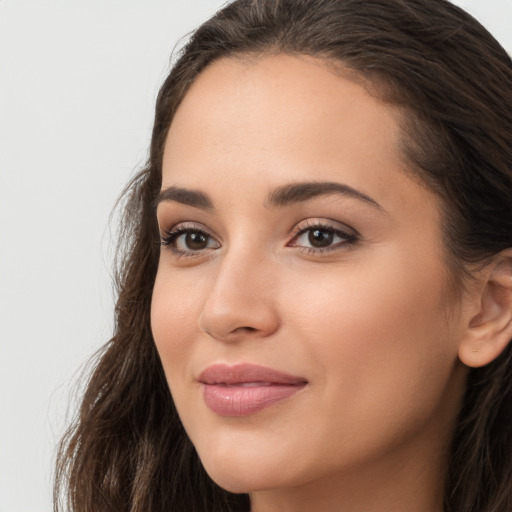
<point>246,373</point>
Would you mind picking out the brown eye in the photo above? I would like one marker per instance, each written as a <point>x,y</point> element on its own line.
<point>320,237</point>
<point>183,240</point>
<point>195,241</point>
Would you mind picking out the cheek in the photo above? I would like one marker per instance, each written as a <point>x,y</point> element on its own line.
<point>380,332</point>
<point>175,310</point>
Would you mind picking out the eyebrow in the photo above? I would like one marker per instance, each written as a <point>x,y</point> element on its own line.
<point>184,196</point>
<point>298,192</point>
<point>282,196</point>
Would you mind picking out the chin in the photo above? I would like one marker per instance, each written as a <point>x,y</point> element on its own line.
<point>242,473</point>
<point>236,484</point>
<point>238,481</point>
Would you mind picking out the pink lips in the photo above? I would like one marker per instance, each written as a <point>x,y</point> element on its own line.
<point>245,389</point>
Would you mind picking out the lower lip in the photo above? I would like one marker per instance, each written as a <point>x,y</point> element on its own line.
<point>239,401</point>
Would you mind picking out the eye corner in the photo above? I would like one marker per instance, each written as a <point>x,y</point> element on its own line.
<point>188,239</point>
<point>329,237</point>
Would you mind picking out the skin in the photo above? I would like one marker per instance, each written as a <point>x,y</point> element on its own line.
<point>370,325</point>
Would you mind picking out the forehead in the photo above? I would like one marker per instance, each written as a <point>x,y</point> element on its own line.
<point>260,123</point>
<point>280,102</point>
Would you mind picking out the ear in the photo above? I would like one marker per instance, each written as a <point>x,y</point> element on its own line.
<point>490,330</point>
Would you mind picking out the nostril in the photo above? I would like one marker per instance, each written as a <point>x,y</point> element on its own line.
<point>246,329</point>
<point>225,317</point>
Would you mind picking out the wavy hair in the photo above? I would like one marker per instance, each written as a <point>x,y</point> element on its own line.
<point>127,450</point>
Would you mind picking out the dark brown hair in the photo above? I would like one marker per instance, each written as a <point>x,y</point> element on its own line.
<point>127,450</point>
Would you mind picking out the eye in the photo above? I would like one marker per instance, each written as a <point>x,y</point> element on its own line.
<point>322,237</point>
<point>186,240</point>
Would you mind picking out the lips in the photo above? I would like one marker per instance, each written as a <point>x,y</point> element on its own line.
<point>246,389</point>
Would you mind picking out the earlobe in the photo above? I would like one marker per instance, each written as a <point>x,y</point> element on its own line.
<point>490,330</point>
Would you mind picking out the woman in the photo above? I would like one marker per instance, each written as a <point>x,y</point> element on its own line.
<point>317,264</point>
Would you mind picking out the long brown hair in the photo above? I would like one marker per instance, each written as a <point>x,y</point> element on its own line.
<point>127,450</point>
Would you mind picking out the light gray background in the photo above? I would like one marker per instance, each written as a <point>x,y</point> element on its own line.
<point>78,81</point>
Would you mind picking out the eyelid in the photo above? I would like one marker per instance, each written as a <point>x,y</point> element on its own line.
<point>185,225</point>
<point>169,235</point>
<point>349,235</point>
<point>315,222</point>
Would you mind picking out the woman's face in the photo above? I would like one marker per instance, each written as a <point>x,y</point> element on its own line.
<point>300,308</point>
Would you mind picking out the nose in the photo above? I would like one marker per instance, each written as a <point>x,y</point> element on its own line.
<point>242,301</point>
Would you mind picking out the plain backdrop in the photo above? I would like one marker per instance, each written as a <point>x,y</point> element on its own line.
<point>78,81</point>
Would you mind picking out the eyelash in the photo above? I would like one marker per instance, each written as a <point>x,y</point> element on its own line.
<point>349,239</point>
<point>169,238</point>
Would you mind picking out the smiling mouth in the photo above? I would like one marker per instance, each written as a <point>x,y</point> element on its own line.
<point>247,384</point>
<point>246,389</point>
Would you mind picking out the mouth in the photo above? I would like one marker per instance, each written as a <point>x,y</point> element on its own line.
<point>246,389</point>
